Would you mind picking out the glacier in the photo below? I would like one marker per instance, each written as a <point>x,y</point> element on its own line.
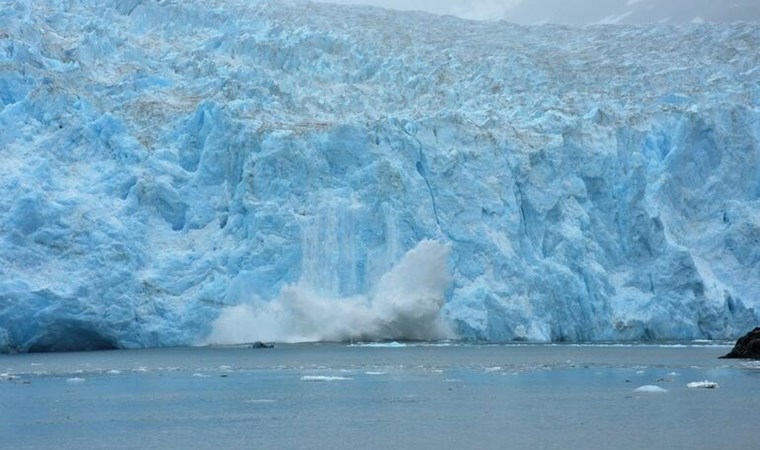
<point>177,173</point>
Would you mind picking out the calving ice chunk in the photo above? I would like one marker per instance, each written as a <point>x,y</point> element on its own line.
<point>406,303</point>
<point>185,172</point>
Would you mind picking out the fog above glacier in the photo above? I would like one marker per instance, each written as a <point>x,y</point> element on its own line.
<point>582,12</point>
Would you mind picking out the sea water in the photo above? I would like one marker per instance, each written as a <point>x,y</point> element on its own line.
<point>389,396</point>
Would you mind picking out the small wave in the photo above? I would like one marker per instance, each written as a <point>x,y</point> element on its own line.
<point>392,344</point>
<point>8,377</point>
<point>321,378</point>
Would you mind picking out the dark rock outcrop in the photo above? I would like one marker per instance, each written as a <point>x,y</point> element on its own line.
<point>747,346</point>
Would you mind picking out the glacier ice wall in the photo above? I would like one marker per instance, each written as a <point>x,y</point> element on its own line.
<point>167,163</point>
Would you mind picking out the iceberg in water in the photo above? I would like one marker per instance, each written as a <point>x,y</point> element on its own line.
<point>703,384</point>
<point>650,389</point>
<point>185,172</point>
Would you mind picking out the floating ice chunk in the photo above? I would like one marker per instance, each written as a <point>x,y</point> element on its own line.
<point>703,384</point>
<point>75,380</point>
<point>650,388</point>
<point>318,378</point>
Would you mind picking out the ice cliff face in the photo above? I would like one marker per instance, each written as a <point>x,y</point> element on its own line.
<point>168,165</point>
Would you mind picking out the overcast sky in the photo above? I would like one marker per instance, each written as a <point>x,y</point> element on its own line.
<point>582,12</point>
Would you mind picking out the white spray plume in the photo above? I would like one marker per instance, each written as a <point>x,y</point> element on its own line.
<point>405,304</point>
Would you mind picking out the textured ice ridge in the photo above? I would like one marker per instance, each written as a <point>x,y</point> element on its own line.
<point>165,161</point>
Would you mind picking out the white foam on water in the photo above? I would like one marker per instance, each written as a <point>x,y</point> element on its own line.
<point>75,380</point>
<point>392,344</point>
<point>321,378</point>
<point>113,372</point>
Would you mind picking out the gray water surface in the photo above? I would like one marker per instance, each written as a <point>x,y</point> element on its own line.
<point>333,396</point>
